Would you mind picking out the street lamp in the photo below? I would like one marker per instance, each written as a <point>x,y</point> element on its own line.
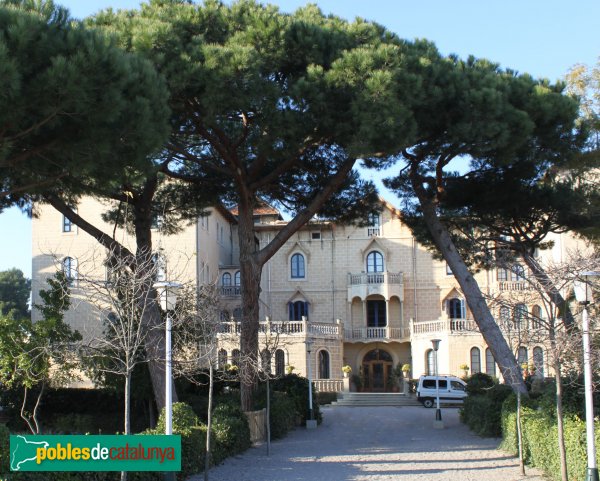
<point>167,295</point>
<point>583,294</point>
<point>438,423</point>
<point>311,423</point>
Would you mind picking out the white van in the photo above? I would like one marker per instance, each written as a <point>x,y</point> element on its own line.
<point>451,389</point>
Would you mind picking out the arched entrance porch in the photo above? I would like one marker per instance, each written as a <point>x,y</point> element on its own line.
<point>377,368</point>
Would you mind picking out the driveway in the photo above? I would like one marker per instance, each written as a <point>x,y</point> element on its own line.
<point>376,444</point>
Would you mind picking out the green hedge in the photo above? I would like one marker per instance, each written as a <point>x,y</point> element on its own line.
<point>540,439</point>
<point>482,412</point>
<point>231,436</point>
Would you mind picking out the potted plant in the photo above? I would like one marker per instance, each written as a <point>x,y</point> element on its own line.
<point>465,369</point>
<point>290,369</point>
<point>347,370</point>
<point>405,369</point>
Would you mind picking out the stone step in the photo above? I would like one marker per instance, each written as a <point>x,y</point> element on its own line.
<point>375,399</point>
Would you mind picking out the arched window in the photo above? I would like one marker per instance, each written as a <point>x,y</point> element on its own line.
<point>279,362</point>
<point>522,356</point>
<point>226,279</point>
<point>222,357</point>
<point>237,279</point>
<point>475,360</point>
<point>538,361</point>
<point>237,314</point>
<point>323,364</point>
<point>537,320</point>
<point>69,268</point>
<point>297,309</point>
<point>517,273</point>
<point>265,361</point>
<point>235,357</point>
<point>456,308</point>
<point>504,313</point>
<point>375,262</point>
<point>225,316</point>
<point>520,315</point>
<point>490,363</point>
<point>430,362</point>
<point>297,266</point>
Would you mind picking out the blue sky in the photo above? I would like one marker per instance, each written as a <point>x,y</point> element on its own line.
<point>542,37</point>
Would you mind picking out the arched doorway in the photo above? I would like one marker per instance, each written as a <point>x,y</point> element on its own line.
<point>377,367</point>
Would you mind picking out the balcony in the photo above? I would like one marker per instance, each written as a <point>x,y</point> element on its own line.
<point>514,286</point>
<point>230,291</point>
<point>301,329</point>
<point>448,326</point>
<point>386,284</point>
<point>368,334</point>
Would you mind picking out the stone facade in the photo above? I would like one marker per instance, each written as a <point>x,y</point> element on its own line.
<point>368,297</point>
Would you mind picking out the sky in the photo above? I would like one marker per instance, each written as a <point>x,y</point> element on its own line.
<point>542,37</point>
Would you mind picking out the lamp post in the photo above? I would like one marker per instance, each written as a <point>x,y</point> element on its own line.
<point>167,295</point>
<point>583,294</point>
<point>311,423</point>
<point>438,423</point>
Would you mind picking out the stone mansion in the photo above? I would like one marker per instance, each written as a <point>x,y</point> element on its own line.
<point>368,297</point>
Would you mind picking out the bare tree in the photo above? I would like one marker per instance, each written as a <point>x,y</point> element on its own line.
<point>544,324</point>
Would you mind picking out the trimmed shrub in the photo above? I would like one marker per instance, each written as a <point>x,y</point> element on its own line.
<point>296,388</point>
<point>283,414</point>
<point>483,412</point>
<point>540,439</point>
<point>478,383</point>
<point>230,430</point>
<point>184,419</point>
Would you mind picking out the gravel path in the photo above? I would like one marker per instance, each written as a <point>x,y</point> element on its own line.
<point>376,444</point>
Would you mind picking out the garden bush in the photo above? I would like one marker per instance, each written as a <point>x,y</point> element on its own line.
<point>296,387</point>
<point>324,398</point>
<point>283,414</point>
<point>540,439</point>
<point>483,412</point>
<point>479,382</point>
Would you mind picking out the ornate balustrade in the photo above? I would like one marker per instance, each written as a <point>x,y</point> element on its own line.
<point>444,325</point>
<point>377,333</point>
<point>328,385</point>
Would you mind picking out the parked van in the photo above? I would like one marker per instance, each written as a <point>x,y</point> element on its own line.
<point>451,389</point>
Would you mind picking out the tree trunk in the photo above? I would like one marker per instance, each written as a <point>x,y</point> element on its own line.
<point>250,273</point>
<point>550,288</point>
<point>211,381</point>
<point>520,435</point>
<point>127,414</point>
<point>562,450</point>
<point>483,317</point>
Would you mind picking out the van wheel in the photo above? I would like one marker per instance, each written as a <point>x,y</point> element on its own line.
<point>428,403</point>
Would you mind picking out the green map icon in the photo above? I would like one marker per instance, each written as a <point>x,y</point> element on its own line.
<point>23,451</point>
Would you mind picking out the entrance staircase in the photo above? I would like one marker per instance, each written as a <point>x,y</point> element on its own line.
<point>375,399</point>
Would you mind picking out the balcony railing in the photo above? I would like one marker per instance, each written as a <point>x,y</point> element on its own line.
<point>230,291</point>
<point>373,231</point>
<point>376,333</point>
<point>328,385</point>
<point>514,286</point>
<point>444,325</point>
<point>288,328</point>
<point>375,278</point>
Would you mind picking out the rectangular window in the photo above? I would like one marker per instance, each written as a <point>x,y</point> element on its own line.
<point>376,314</point>
<point>315,235</point>
<point>502,275</point>
<point>67,225</point>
